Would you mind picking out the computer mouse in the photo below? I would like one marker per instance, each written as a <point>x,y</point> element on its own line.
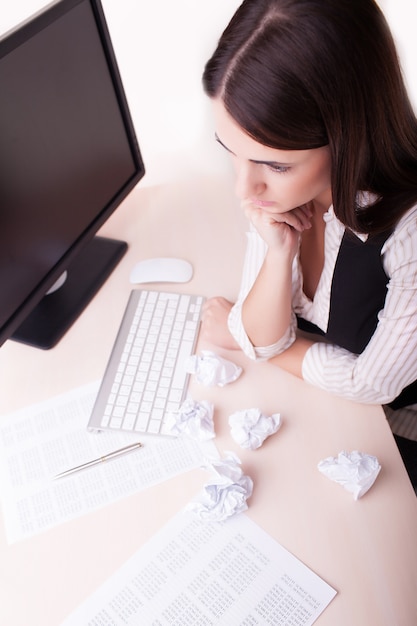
<point>161,270</point>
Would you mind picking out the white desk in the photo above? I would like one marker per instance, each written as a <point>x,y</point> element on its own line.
<point>367,549</point>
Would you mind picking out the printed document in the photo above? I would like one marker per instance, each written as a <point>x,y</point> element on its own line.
<point>200,573</point>
<point>43,440</point>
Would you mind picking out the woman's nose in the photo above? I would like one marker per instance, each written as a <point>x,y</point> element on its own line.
<point>249,182</point>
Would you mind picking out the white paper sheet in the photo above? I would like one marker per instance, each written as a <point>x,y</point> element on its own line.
<point>196,573</point>
<point>39,442</point>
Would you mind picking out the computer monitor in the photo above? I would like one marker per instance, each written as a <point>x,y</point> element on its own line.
<point>68,157</point>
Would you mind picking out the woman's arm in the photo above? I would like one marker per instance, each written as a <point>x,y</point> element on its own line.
<point>291,360</point>
<point>267,309</point>
<point>222,322</point>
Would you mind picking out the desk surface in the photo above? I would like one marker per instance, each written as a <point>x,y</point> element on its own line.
<point>365,549</point>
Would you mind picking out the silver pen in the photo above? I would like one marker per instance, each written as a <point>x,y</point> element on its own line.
<point>102,459</point>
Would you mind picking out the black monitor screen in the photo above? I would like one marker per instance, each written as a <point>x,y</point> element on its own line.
<point>68,153</point>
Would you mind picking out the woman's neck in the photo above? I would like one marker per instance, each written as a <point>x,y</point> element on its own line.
<point>312,250</point>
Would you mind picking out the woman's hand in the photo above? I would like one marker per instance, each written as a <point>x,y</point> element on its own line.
<point>214,327</point>
<point>280,231</point>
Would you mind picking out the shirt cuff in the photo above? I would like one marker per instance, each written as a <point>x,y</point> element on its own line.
<point>261,353</point>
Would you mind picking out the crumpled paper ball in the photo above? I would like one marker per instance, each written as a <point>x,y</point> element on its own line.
<point>226,494</point>
<point>355,471</point>
<point>250,428</point>
<point>193,419</point>
<point>211,370</point>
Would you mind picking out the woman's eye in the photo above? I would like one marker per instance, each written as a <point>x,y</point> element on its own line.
<point>280,169</point>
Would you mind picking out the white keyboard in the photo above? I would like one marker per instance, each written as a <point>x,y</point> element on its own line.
<point>145,377</point>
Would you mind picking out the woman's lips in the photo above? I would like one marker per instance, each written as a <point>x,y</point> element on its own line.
<point>262,204</point>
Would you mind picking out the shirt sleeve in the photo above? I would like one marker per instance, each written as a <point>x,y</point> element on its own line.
<point>255,254</point>
<point>388,363</point>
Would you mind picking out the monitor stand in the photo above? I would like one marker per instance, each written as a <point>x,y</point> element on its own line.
<point>57,311</point>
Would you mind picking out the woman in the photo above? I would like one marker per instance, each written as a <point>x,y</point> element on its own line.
<point>310,103</point>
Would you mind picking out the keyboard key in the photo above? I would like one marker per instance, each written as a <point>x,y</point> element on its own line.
<point>154,426</point>
<point>129,421</point>
<point>142,423</point>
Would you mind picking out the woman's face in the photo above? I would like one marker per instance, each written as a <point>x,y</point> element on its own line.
<point>275,180</point>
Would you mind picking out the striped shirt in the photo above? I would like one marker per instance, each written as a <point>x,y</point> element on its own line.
<point>389,361</point>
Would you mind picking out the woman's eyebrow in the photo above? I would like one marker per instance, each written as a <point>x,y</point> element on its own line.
<point>270,163</point>
<point>221,143</point>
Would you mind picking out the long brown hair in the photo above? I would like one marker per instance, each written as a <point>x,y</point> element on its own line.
<point>300,74</point>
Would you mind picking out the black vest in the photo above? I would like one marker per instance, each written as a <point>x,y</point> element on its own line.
<point>358,292</point>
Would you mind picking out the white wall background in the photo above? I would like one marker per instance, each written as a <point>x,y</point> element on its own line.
<point>161,47</point>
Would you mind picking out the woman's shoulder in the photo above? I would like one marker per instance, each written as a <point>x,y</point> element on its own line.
<point>407,224</point>
<point>401,247</point>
